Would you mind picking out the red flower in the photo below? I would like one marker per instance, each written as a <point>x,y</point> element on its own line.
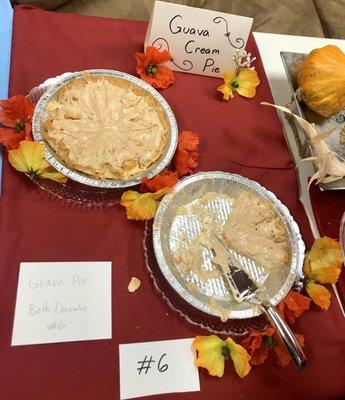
<point>186,157</point>
<point>16,117</point>
<point>164,179</point>
<point>151,70</point>
<point>255,346</point>
<point>259,344</point>
<point>293,306</point>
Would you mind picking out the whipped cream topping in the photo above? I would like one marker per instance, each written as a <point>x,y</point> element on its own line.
<point>106,127</point>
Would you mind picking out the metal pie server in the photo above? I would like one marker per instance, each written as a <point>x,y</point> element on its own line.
<point>245,289</point>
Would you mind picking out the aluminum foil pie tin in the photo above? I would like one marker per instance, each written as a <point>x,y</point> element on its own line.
<point>171,230</point>
<point>49,88</point>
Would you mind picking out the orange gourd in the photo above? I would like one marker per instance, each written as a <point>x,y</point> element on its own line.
<point>321,80</point>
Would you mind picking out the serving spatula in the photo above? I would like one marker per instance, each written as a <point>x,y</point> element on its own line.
<point>245,289</point>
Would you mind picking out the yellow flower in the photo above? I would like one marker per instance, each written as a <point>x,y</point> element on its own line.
<point>226,88</point>
<point>324,261</point>
<point>212,352</point>
<point>244,84</point>
<point>141,206</point>
<point>322,265</point>
<point>240,357</point>
<point>319,294</point>
<point>29,158</point>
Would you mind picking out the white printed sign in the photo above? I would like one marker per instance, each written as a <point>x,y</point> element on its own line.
<point>200,41</point>
<point>62,302</point>
<point>166,366</point>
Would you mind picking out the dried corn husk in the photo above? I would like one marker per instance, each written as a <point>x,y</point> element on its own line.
<point>330,166</point>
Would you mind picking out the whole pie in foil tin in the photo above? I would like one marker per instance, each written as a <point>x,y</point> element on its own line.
<point>49,90</point>
<point>173,229</point>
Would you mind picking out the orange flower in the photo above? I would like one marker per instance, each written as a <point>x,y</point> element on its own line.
<point>244,83</point>
<point>16,117</point>
<point>164,179</point>
<point>151,70</point>
<point>259,344</point>
<point>324,261</point>
<point>186,156</point>
<point>213,351</point>
<point>319,294</point>
<point>255,346</point>
<point>293,306</point>
<point>141,206</point>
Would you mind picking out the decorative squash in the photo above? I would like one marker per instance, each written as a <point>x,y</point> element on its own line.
<point>322,80</point>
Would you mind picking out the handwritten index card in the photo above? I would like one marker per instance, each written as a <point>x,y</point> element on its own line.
<point>62,302</point>
<point>166,366</point>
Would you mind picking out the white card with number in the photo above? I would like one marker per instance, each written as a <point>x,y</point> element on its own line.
<point>149,368</point>
<point>62,302</point>
<point>200,41</point>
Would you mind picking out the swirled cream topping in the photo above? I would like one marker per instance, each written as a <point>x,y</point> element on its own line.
<point>105,127</point>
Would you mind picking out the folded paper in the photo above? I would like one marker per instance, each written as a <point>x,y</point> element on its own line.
<point>200,41</point>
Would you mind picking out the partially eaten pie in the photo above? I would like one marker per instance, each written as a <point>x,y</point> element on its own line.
<point>256,231</point>
<point>105,127</point>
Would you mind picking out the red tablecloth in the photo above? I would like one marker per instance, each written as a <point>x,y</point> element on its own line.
<point>239,136</point>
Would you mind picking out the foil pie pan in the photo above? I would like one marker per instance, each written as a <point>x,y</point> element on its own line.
<point>51,87</point>
<point>171,229</point>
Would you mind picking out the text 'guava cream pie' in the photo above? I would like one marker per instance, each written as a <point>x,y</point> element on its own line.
<point>105,127</point>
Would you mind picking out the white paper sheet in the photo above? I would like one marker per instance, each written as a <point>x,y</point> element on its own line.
<point>62,302</point>
<point>166,366</point>
<point>200,41</point>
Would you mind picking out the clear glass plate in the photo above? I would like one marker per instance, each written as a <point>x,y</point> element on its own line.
<point>233,327</point>
<point>77,193</point>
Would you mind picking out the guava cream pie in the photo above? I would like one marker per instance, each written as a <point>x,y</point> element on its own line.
<point>105,127</point>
